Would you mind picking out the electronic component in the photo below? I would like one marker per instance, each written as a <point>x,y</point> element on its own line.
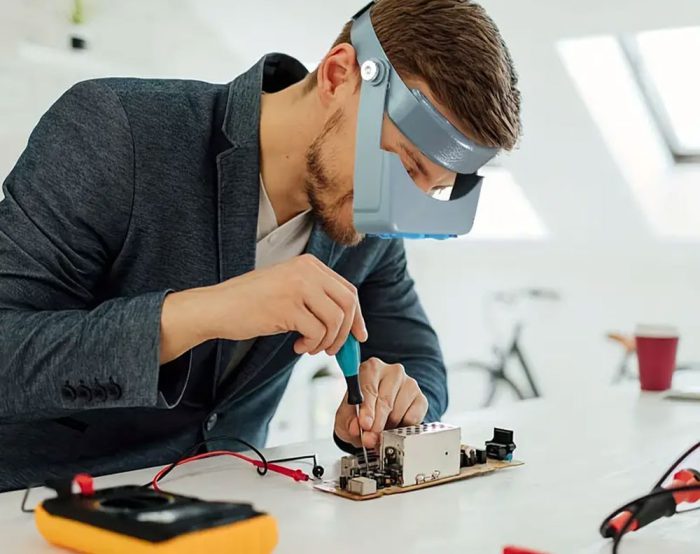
<point>419,456</point>
<point>501,446</point>
<point>410,455</point>
<point>464,459</point>
<point>422,452</point>
<point>362,486</point>
<point>141,521</point>
<point>470,456</point>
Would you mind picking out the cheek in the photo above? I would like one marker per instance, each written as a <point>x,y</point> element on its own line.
<point>346,154</point>
<point>390,135</point>
<point>349,165</point>
<point>340,161</point>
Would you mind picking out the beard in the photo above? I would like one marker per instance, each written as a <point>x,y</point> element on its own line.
<point>328,201</point>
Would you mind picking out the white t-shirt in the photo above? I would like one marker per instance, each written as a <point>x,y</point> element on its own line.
<point>279,243</point>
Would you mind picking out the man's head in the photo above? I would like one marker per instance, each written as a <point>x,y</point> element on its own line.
<point>448,49</point>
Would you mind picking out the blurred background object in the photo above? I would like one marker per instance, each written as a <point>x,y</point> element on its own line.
<point>507,348</point>
<point>600,202</point>
<point>628,369</point>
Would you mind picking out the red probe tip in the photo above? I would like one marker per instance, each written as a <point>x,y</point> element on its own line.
<point>85,483</point>
<point>518,550</point>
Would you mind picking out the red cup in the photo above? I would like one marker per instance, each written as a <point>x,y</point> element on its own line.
<point>656,353</point>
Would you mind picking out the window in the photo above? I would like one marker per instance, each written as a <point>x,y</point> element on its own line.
<point>664,63</point>
<point>666,192</point>
<point>504,212</point>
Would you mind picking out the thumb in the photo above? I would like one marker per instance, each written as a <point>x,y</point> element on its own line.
<point>346,426</point>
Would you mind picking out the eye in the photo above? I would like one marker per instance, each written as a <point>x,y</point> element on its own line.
<point>419,167</point>
<point>410,166</point>
<point>414,167</point>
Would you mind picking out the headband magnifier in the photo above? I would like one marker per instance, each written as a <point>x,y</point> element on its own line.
<point>387,202</point>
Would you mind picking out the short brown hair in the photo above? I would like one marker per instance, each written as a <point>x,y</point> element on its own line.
<point>456,48</point>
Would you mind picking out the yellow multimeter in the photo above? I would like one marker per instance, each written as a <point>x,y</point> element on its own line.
<point>137,520</point>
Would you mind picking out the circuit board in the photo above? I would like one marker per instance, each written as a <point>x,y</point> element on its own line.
<point>490,466</point>
<point>416,457</point>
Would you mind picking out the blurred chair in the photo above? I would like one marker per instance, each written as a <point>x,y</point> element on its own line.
<point>628,350</point>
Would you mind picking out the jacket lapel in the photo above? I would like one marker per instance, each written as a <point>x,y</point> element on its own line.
<point>238,169</point>
<point>238,172</point>
<point>238,211</point>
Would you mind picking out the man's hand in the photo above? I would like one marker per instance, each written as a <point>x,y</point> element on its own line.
<point>391,399</point>
<point>302,295</point>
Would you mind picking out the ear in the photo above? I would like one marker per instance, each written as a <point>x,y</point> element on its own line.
<point>338,75</point>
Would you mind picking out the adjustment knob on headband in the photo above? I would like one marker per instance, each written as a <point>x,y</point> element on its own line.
<point>372,71</point>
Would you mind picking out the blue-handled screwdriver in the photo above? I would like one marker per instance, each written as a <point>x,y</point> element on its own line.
<point>349,361</point>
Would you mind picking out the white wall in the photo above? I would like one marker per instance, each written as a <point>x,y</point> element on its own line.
<point>601,289</point>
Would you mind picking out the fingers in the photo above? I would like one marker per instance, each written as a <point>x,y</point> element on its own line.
<point>335,304</point>
<point>331,317</point>
<point>349,304</point>
<point>380,384</point>
<point>389,386</point>
<point>311,330</point>
<point>416,413</point>
<point>358,327</point>
<point>404,400</point>
<point>370,439</point>
<point>370,375</point>
<point>391,399</point>
<point>346,426</point>
<point>359,330</point>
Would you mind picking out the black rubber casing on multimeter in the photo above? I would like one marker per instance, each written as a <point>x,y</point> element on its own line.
<point>140,520</point>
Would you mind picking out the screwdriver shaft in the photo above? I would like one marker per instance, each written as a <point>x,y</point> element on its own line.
<point>364,449</point>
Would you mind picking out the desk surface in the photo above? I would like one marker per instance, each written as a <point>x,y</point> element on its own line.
<point>584,457</point>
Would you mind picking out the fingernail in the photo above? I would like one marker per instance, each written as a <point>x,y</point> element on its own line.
<point>366,422</point>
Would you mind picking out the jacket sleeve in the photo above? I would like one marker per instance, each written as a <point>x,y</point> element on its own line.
<point>399,330</point>
<point>63,221</point>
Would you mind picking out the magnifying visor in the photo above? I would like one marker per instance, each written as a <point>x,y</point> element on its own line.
<point>387,201</point>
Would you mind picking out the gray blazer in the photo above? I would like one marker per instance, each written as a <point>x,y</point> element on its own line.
<point>129,189</point>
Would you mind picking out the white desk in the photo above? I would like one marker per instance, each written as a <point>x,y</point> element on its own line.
<point>583,459</point>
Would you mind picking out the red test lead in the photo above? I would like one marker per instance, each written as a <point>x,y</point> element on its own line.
<point>295,474</point>
<point>686,484</point>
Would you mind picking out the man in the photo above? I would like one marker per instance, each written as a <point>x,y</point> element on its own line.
<point>169,248</point>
